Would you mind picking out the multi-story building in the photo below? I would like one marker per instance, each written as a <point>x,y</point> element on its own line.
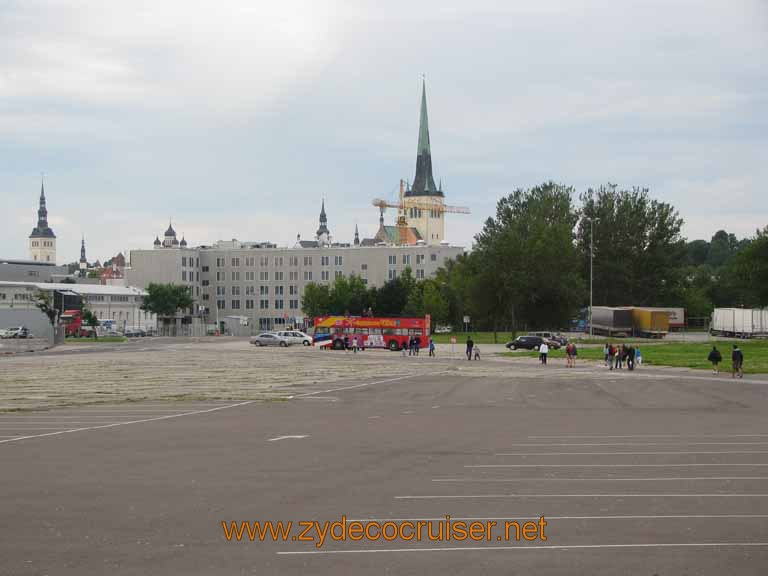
<point>265,283</point>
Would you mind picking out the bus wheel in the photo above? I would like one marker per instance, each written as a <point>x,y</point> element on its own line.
<point>394,346</point>
<point>338,344</point>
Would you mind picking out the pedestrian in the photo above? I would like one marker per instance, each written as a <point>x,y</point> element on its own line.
<point>410,346</point>
<point>476,351</point>
<point>607,353</point>
<point>568,355</point>
<point>346,343</point>
<point>431,347</point>
<point>354,344</point>
<point>611,355</point>
<point>737,357</point>
<point>638,356</point>
<point>416,345</point>
<point>620,356</point>
<point>470,345</point>
<point>405,345</point>
<point>543,351</point>
<point>574,354</point>
<point>715,357</point>
<point>631,357</point>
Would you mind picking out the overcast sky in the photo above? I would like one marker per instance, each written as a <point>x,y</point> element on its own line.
<point>237,118</point>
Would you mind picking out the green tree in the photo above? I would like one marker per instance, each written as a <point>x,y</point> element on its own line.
<point>316,300</point>
<point>638,251</point>
<point>434,302</point>
<point>749,270</point>
<point>166,299</point>
<point>392,297</point>
<point>44,303</point>
<point>89,318</point>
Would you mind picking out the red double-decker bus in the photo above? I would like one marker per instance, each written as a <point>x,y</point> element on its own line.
<point>392,333</point>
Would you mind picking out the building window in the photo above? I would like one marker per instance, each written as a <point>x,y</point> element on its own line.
<point>235,304</point>
<point>249,304</point>
<point>235,276</point>
<point>307,260</point>
<point>221,304</point>
<point>205,268</point>
<point>433,257</point>
<point>392,259</point>
<point>264,290</point>
<point>325,260</point>
<point>293,290</point>
<point>279,290</point>
<point>221,290</point>
<point>324,275</point>
<point>279,305</point>
<point>250,290</point>
<point>184,261</point>
<point>420,274</point>
<point>264,276</point>
<point>220,262</point>
<point>365,281</point>
<point>419,259</point>
<point>363,266</point>
<point>235,290</point>
<point>264,304</point>
<point>293,261</point>
<point>307,275</point>
<point>406,259</point>
<point>205,296</point>
<point>206,282</point>
<point>220,276</point>
<point>235,262</point>
<point>183,275</point>
<point>338,260</point>
<point>279,276</point>
<point>338,274</point>
<point>250,276</point>
<point>264,261</point>
<point>293,304</point>
<point>278,261</point>
<point>392,274</point>
<point>250,261</point>
<point>293,276</point>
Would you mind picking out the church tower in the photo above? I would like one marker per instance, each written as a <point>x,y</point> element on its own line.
<point>83,263</point>
<point>42,241</point>
<point>323,234</point>
<point>423,200</point>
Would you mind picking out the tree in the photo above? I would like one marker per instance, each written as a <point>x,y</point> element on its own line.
<point>316,300</point>
<point>392,297</point>
<point>638,250</point>
<point>434,302</point>
<point>45,305</point>
<point>89,318</point>
<point>750,270</point>
<point>526,265</point>
<point>165,300</point>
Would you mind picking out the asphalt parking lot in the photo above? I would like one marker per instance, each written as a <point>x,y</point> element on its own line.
<point>656,472</point>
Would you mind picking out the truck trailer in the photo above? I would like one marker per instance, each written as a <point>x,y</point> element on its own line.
<point>610,321</point>
<point>739,322</point>
<point>650,322</point>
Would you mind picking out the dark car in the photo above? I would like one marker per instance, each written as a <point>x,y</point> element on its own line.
<point>531,342</point>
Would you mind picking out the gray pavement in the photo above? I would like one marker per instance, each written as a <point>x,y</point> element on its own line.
<point>656,472</point>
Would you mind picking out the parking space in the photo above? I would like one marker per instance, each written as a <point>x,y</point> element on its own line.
<point>656,472</point>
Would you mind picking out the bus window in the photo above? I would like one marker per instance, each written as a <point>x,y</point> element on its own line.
<point>388,331</point>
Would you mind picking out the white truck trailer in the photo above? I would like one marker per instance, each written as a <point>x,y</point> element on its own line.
<point>739,322</point>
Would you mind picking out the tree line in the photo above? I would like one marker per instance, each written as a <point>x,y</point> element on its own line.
<point>530,265</point>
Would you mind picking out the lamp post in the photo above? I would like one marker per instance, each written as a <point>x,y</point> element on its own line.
<point>591,257</point>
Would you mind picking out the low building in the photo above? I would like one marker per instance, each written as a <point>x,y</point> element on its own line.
<point>30,271</point>
<point>117,303</point>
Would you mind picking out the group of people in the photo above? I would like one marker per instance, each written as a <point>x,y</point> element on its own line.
<point>617,356</point>
<point>414,345</point>
<point>737,361</point>
<point>473,350</point>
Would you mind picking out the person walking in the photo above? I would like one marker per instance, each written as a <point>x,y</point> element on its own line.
<point>737,357</point>
<point>568,356</point>
<point>354,344</point>
<point>416,345</point>
<point>638,356</point>
<point>715,358</point>
<point>607,353</point>
<point>476,352</point>
<point>611,354</point>
<point>543,351</point>
<point>431,347</point>
<point>470,345</point>
<point>631,357</point>
<point>346,343</point>
<point>574,354</point>
<point>410,346</point>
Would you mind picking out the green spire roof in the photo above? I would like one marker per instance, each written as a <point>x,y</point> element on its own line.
<point>424,182</point>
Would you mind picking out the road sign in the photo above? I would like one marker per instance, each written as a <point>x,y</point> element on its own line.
<point>466,319</point>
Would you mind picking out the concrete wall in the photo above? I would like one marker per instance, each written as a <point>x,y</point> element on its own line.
<point>35,321</point>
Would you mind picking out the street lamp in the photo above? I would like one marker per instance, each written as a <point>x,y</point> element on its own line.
<point>591,257</point>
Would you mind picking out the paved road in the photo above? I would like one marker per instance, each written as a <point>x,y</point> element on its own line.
<point>657,472</point>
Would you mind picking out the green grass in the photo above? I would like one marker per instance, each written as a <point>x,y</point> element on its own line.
<point>683,355</point>
<point>102,340</point>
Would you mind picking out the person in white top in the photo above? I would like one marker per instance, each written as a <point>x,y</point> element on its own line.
<point>543,351</point>
<point>354,344</point>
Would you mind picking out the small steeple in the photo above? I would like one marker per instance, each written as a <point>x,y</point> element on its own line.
<point>83,260</point>
<point>42,229</point>
<point>323,229</point>
<point>357,236</point>
<point>183,242</point>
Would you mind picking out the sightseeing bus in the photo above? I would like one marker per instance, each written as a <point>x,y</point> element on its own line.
<point>392,333</point>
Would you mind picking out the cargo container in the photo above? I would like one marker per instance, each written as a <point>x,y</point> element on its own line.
<point>739,322</point>
<point>650,322</point>
<point>676,316</point>
<point>610,321</point>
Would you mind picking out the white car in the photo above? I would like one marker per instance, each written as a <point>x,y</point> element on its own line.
<point>296,337</point>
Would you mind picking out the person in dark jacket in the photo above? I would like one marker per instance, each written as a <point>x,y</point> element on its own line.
<point>737,357</point>
<point>470,345</point>
<point>715,357</point>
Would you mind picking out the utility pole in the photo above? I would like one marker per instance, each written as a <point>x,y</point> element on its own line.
<point>591,257</point>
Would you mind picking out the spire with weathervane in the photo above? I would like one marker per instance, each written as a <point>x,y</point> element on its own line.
<point>357,236</point>
<point>42,240</point>
<point>423,181</point>
<point>323,234</point>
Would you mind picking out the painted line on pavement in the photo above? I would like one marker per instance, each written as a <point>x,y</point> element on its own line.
<point>366,384</point>
<point>295,436</point>
<point>627,453</point>
<point>696,478</point>
<point>155,419</point>
<point>687,464</point>
<point>483,496</point>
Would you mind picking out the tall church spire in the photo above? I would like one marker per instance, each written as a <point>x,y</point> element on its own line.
<point>82,250</point>
<point>357,236</point>
<point>323,229</point>
<point>424,182</point>
<point>42,229</point>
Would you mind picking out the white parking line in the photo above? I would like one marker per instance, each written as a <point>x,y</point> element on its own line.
<point>613,465</point>
<point>366,384</point>
<point>626,453</point>
<point>296,436</point>
<point>154,419</point>
<point>527,548</point>
<point>548,517</point>
<point>483,496</point>
<point>542,444</point>
<point>664,479</point>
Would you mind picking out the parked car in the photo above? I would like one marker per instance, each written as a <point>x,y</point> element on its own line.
<point>296,337</point>
<point>269,339</point>
<point>134,333</point>
<point>559,338</point>
<point>531,342</point>
<point>17,332</point>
